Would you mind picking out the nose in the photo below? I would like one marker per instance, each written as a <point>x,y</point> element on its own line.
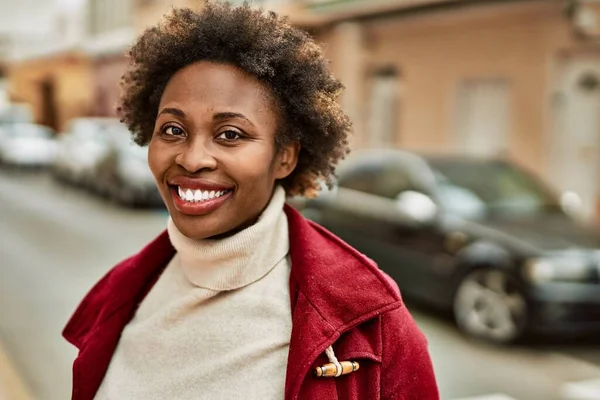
<point>196,156</point>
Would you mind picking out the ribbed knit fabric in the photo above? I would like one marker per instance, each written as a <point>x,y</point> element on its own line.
<point>217,324</point>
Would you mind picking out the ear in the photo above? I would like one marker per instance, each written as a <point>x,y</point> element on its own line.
<point>286,160</point>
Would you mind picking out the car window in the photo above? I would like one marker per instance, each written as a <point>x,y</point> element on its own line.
<point>384,179</point>
<point>393,179</point>
<point>361,180</point>
<point>498,186</point>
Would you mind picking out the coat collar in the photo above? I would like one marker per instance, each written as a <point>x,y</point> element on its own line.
<point>325,302</point>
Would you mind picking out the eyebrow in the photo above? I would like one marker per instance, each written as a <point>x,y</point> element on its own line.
<point>173,111</point>
<point>228,115</point>
<point>217,117</point>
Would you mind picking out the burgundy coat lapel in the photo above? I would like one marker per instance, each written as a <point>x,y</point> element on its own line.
<point>311,335</point>
<point>334,288</point>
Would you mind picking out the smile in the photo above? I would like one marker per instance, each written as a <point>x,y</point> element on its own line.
<point>194,198</point>
<point>197,195</point>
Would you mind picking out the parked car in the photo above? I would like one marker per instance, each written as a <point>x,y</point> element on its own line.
<point>481,238</point>
<point>122,173</point>
<point>26,145</point>
<point>81,147</point>
<point>16,113</point>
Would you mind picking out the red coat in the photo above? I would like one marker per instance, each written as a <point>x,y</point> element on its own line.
<point>338,297</point>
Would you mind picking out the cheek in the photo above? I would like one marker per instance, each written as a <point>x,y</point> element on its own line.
<point>252,171</point>
<point>259,166</point>
<point>156,158</point>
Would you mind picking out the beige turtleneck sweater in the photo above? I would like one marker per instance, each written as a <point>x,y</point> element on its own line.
<point>216,325</point>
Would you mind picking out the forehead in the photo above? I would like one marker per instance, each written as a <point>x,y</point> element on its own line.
<point>216,85</point>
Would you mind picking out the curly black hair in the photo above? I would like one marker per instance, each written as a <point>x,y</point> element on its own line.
<point>265,45</point>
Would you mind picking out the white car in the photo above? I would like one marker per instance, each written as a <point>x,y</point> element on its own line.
<point>27,145</point>
<point>123,174</point>
<point>81,147</point>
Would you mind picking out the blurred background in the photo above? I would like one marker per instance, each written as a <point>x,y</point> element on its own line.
<point>475,185</point>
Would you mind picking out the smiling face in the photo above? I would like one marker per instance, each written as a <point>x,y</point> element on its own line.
<point>213,151</point>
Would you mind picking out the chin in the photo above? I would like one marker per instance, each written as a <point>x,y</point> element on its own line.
<point>200,227</point>
<point>194,227</point>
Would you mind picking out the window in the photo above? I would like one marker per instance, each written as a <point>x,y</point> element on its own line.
<point>109,15</point>
<point>483,117</point>
<point>384,104</point>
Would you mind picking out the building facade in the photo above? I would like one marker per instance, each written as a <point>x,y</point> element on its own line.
<point>512,78</point>
<point>55,86</point>
<point>44,66</point>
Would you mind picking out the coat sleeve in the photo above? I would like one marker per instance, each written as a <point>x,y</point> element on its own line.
<point>407,372</point>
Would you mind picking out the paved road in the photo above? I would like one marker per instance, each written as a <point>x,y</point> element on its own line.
<point>55,242</point>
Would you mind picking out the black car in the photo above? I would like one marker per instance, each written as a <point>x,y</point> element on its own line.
<point>481,238</point>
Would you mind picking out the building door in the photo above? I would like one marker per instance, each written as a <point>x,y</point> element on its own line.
<point>575,148</point>
<point>482,117</point>
<point>49,113</point>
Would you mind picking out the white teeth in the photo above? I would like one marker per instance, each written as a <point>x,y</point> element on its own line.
<point>199,195</point>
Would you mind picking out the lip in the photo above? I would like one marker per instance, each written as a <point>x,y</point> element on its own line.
<point>198,208</point>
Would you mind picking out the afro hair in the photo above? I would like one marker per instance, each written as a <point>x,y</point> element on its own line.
<point>263,44</point>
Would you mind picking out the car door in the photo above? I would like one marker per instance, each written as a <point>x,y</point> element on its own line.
<point>365,213</point>
<point>410,247</point>
<point>347,212</point>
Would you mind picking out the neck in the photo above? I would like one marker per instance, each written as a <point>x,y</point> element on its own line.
<point>236,259</point>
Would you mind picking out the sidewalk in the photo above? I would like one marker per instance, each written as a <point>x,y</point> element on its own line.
<point>12,386</point>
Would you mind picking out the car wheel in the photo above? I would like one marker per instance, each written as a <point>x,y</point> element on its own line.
<point>489,305</point>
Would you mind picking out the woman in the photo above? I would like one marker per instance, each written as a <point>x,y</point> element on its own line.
<point>241,296</point>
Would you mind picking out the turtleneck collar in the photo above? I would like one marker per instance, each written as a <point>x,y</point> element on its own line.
<point>238,260</point>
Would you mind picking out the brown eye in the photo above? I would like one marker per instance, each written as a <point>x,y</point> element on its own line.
<point>173,130</point>
<point>229,135</point>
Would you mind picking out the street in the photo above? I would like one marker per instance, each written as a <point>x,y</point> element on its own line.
<point>57,241</point>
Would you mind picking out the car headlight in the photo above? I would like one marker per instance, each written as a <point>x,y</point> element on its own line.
<point>539,270</point>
